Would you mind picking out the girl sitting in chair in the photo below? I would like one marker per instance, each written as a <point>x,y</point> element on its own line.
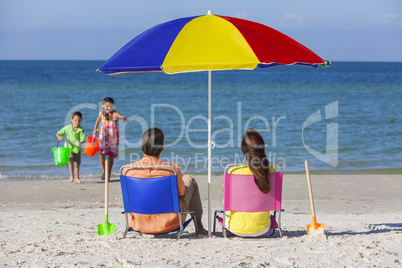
<point>252,223</point>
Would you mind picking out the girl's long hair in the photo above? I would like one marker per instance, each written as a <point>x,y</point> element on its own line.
<point>253,148</point>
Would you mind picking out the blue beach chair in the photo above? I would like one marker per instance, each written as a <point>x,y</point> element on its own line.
<point>152,196</point>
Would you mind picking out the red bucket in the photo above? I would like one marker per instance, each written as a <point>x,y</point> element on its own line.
<point>92,146</point>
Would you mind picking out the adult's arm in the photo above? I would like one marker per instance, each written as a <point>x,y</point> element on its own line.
<point>180,183</point>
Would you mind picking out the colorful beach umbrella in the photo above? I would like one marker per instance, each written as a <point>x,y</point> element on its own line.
<point>208,43</point>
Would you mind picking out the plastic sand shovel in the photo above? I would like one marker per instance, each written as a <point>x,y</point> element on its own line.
<point>107,228</point>
<point>92,146</point>
<point>315,225</point>
<point>61,154</point>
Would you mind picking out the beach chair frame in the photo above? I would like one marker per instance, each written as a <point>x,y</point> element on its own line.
<point>267,202</point>
<point>153,196</point>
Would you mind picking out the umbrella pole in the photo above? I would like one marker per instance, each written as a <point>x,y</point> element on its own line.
<point>209,153</point>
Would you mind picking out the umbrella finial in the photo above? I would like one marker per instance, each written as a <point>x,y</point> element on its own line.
<point>209,12</point>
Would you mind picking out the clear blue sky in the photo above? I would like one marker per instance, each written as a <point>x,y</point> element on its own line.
<point>341,30</point>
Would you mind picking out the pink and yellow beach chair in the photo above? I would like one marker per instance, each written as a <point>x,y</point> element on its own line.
<point>242,195</point>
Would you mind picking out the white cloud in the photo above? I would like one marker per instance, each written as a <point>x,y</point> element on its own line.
<point>394,19</point>
<point>392,16</point>
<point>291,16</point>
<point>294,20</point>
<point>242,15</point>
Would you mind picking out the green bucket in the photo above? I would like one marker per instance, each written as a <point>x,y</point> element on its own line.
<point>61,155</point>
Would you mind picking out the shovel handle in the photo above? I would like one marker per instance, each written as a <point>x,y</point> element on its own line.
<point>310,191</point>
<point>106,185</point>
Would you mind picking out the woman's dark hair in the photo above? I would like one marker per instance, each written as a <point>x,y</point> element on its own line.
<point>253,148</point>
<point>152,141</point>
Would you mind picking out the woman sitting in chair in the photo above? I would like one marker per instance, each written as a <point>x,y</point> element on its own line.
<point>252,223</point>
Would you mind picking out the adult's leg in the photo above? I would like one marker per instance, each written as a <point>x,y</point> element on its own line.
<point>191,200</point>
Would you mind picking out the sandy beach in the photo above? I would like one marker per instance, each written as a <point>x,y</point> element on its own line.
<point>54,224</point>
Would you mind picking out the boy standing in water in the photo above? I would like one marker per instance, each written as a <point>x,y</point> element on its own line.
<point>75,137</point>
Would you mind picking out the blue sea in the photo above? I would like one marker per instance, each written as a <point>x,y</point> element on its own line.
<point>343,119</point>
